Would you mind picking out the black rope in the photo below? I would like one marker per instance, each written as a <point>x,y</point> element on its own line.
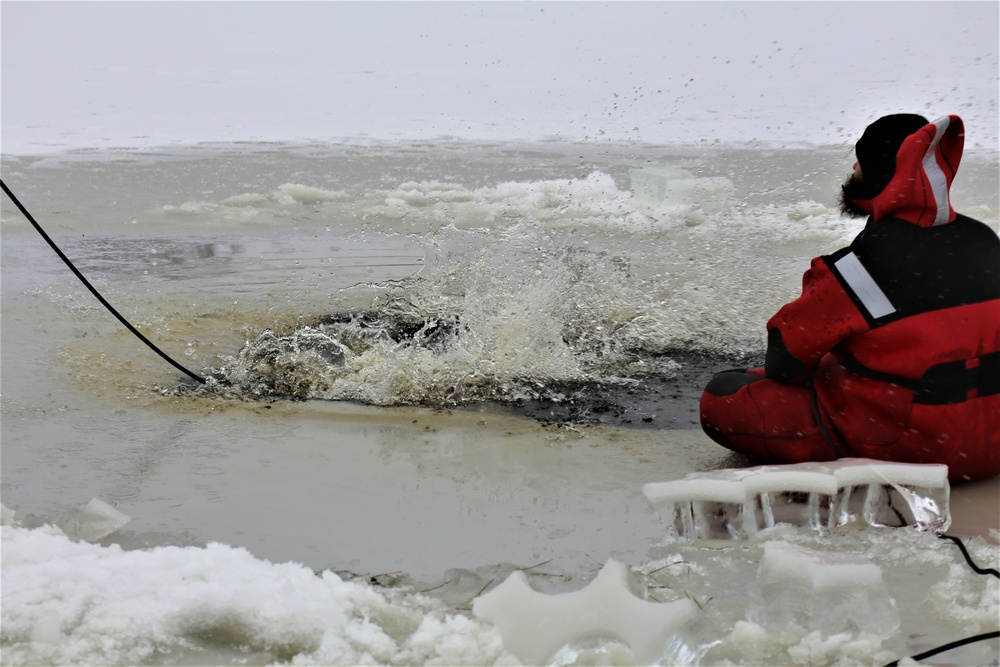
<point>950,645</point>
<point>93,291</point>
<point>899,515</point>
<point>968,558</point>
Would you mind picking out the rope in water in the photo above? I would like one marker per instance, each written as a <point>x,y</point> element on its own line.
<point>93,290</point>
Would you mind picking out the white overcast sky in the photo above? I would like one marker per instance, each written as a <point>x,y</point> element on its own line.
<point>86,74</point>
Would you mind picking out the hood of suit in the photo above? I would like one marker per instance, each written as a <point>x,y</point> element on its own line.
<point>914,183</point>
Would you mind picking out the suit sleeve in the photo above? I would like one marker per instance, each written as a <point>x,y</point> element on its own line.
<point>804,330</point>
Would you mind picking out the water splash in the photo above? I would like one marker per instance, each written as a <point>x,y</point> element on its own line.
<point>510,319</point>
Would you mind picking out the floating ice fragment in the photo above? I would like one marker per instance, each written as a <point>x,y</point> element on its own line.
<point>6,516</point>
<point>93,521</point>
<point>541,629</point>
<point>734,504</point>
<point>306,194</point>
<point>246,199</point>
<point>649,185</point>
<point>827,591</point>
<point>653,186</point>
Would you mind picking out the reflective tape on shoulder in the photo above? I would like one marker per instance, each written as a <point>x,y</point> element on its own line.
<point>864,286</point>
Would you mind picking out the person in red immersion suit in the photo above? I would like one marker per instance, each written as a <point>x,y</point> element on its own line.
<point>892,351</point>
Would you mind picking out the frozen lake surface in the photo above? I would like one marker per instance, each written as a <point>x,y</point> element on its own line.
<point>431,364</point>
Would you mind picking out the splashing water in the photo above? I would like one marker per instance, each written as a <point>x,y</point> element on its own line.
<point>523,313</point>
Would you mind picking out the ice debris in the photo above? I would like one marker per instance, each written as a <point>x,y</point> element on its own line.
<point>545,629</point>
<point>817,592</point>
<point>68,602</point>
<point>6,516</point>
<point>827,591</point>
<point>735,504</point>
<point>672,186</point>
<point>93,521</point>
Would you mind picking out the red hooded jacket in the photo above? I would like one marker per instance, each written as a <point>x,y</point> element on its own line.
<point>900,331</point>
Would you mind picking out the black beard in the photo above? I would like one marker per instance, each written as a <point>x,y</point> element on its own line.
<point>852,189</point>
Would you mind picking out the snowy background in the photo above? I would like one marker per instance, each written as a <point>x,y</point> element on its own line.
<point>137,74</point>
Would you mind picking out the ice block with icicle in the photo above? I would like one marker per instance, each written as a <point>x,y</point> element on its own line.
<point>735,504</point>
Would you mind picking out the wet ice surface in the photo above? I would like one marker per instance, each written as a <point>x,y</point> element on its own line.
<point>788,595</point>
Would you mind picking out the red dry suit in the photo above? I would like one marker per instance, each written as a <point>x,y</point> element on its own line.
<point>892,351</point>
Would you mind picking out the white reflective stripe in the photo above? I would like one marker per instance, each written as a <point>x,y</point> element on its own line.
<point>936,177</point>
<point>857,277</point>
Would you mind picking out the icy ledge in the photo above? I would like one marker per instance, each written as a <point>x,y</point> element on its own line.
<point>735,504</point>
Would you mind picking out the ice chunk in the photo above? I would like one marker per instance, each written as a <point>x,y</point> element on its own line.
<point>653,186</point>
<point>649,185</point>
<point>893,494</point>
<point>827,591</point>
<point>734,504</point>
<point>703,508</point>
<point>6,515</point>
<point>93,521</point>
<point>540,629</point>
<point>799,497</point>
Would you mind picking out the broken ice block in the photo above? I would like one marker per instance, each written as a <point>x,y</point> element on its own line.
<point>649,185</point>
<point>540,629</point>
<point>93,521</point>
<point>827,591</point>
<point>798,497</point>
<point>652,186</point>
<point>893,494</point>
<point>703,508</point>
<point>734,504</point>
